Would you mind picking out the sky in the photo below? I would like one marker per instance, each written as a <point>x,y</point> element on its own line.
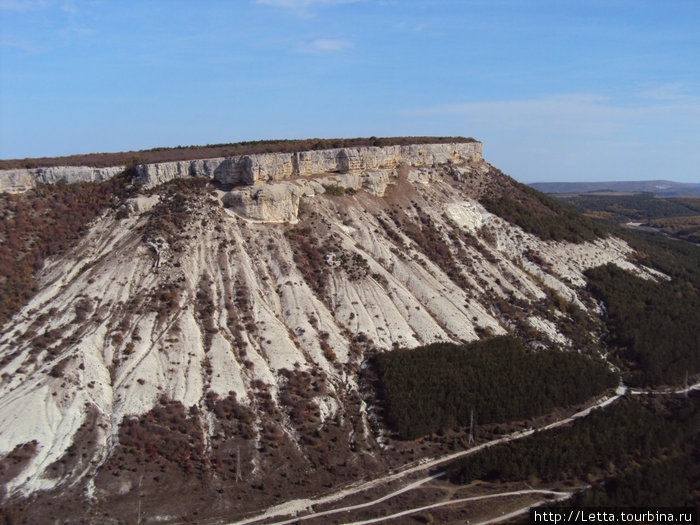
<point>557,90</point>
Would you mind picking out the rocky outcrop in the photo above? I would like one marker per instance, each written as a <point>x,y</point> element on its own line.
<point>279,202</point>
<point>423,175</point>
<point>270,167</point>
<point>140,204</point>
<point>375,182</point>
<point>21,180</point>
<point>267,202</point>
<point>256,169</point>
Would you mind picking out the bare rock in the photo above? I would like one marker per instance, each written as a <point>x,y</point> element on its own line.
<point>268,202</point>
<point>270,167</point>
<point>140,204</point>
<point>21,180</point>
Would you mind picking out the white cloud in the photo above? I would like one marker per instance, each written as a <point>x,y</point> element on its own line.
<point>24,5</point>
<point>22,45</point>
<point>301,4</point>
<point>322,46</point>
<point>572,114</point>
<point>305,8</point>
<point>672,91</point>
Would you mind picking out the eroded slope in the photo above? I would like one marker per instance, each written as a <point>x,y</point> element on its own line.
<point>182,346</point>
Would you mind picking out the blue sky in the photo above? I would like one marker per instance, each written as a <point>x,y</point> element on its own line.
<point>556,90</point>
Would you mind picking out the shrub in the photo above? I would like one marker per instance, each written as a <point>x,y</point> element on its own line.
<point>334,189</point>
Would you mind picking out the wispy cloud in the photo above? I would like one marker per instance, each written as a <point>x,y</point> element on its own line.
<point>21,45</point>
<point>589,135</point>
<point>70,7</point>
<point>323,46</point>
<point>24,5</point>
<point>572,114</point>
<point>671,91</point>
<point>305,8</point>
<point>299,4</point>
<point>61,22</point>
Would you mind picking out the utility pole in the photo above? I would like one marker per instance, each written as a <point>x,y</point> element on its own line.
<point>238,464</point>
<point>471,427</point>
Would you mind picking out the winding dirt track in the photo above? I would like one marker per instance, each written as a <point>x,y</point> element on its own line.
<point>558,496</point>
<point>291,509</point>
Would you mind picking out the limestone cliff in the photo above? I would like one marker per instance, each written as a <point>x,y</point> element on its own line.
<point>279,202</point>
<point>20,180</point>
<point>259,169</point>
<point>254,169</point>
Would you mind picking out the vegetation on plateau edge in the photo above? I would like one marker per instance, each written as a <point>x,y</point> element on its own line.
<point>130,158</point>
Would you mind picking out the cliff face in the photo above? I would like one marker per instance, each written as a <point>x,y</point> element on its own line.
<point>279,201</point>
<point>256,169</point>
<point>18,181</point>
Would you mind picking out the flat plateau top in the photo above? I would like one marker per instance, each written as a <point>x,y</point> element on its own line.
<point>103,160</point>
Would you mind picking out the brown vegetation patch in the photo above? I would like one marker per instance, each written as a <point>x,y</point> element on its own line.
<point>13,463</point>
<point>234,432</point>
<point>167,437</point>
<point>429,239</point>
<point>205,309</point>
<point>310,254</point>
<point>169,218</point>
<point>40,223</point>
<point>80,453</point>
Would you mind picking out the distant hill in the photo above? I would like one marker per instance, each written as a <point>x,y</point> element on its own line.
<point>659,187</point>
<point>675,215</point>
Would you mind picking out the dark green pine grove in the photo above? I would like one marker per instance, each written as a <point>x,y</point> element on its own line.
<point>665,481</point>
<point>618,438</point>
<point>653,327</point>
<point>434,388</point>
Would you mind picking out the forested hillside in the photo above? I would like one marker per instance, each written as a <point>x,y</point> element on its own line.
<point>436,387</point>
<point>615,440</point>
<point>653,327</point>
